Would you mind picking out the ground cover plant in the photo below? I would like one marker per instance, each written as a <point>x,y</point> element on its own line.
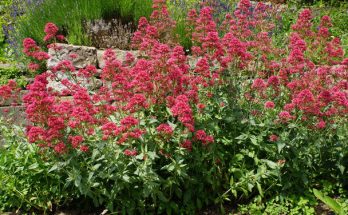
<point>240,121</point>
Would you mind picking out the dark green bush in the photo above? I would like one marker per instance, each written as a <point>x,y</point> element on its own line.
<point>13,73</point>
<point>27,180</point>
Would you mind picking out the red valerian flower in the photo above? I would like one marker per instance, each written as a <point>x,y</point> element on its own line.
<point>273,138</point>
<point>64,66</point>
<point>30,47</point>
<point>60,148</point>
<point>258,84</point>
<point>273,80</point>
<point>201,106</point>
<point>110,128</point>
<point>60,37</point>
<point>165,129</point>
<point>187,144</point>
<point>289,107</point>
<point>269,105</point>
<point>129,121</point>
<point>29,43</point>
<point>35,133</point>
<point>51,29</point>
<point>9,90</point>
<point>40,55</point>
<point>84,148</point>
<point>33,66</point>
<point>138,100</point>
<point>321,124</point>
<point>73,55</point>
<point>285,115</point>
<point>182,109</point>
<point>136,133</point>
<point>76,140</point>
<point>130,153</point>
<point>203,137</point>
<point>48,37</point>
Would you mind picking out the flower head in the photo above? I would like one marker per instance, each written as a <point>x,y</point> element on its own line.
<point>269,105</point>
<point>165,129</point>
<point>51,29</point>
<point>130,153</point>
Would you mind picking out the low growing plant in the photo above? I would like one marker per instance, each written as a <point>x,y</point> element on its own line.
<point>28,181</point>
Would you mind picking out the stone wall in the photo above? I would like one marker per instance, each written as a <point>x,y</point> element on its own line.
<point>84,56</point>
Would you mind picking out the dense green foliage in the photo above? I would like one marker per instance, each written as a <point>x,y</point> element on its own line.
<point>70,15</point>
<point>3,14</point>
<point>27,180</point>
<point>13,73</point>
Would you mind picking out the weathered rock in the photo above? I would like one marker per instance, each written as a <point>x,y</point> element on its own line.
<point>5,66</point>
<point>84,55</point>
<point>120,55</point>
<point>55,83</point>
<point>17,100</point>
<point>92,83</point>
<point>192,61</point>
<point>14,115</point>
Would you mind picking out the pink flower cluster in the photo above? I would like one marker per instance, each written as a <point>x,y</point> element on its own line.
<point>302,87</point>
<point>32,50</point>
<point>9,92</point>
<point>51,31</point>
<point>159,79</point>
<point>320,43</point>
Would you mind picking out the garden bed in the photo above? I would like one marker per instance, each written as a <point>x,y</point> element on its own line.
<point>232,119</point>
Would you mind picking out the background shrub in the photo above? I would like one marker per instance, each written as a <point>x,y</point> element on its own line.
<point>70,16</point>
<point>13,73</point>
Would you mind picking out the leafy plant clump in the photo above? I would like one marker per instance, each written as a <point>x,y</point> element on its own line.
<point>240,120</point>
<point>71,17</point>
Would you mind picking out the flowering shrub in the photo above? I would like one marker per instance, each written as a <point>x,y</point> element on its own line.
<point>175,132</point>
<point>146,114</point>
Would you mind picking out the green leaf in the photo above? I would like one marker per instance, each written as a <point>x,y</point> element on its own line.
<point>96,184</point>
<point>250,187</point>
<point>169,111</point>
<point>54,167</point>
<point>259,188</point>
<point>231,182</point>
<point>153,121</point>
<point>33,166</point>
<point>77,181</point>
<point>125,178</point>
<point>253,140</point>
<point>238,157</point>
<point>242,137</point>
<point>95,167</point>
<point>271,164</point>
<point>280,146</point>
<point>330,202</point>
<point>342,168</point>
<point>234,192</point>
